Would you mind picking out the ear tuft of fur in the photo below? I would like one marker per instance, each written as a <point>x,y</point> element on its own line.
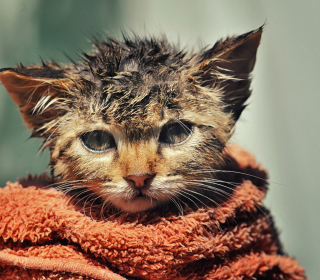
<point>227,65</point>
<point>36,90</point>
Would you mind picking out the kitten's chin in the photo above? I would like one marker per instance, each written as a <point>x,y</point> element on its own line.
<point>138,204</point>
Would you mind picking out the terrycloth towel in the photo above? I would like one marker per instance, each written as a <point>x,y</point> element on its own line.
<point>46,235</point>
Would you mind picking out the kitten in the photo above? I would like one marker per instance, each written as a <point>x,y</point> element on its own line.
<point>137,122</point>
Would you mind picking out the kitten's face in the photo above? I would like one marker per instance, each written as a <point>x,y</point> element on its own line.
<point>137,122</point>
<point>161,147</point>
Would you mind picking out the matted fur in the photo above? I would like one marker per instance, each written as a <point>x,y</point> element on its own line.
<point>131,89</point>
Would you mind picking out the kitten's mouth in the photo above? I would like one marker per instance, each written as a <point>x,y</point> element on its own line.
<point>140,194</point>
<point>136,202</point>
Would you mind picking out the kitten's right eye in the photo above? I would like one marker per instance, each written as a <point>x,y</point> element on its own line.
<point>98,141</point>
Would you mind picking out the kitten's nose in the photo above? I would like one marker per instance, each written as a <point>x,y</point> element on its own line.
<point>139,181</point>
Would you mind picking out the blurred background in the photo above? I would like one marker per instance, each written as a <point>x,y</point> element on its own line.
<point>280,126</point>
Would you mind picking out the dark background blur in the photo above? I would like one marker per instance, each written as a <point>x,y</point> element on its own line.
<point>280,126</point>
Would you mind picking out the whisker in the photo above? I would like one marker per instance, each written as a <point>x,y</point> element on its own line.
<point>215,188</point>
<point>184,194</point>
<point>216,203</point>
<point>236,172</point>
<point>177,204</point>
<point>230,195</point>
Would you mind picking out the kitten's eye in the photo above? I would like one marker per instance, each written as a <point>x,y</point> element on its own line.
<point>98,140</point>
<point>175,133</point>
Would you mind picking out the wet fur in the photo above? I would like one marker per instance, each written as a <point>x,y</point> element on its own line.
<point>132,88</point>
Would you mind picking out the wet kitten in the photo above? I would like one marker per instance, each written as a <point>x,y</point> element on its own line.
<point>137,122</point>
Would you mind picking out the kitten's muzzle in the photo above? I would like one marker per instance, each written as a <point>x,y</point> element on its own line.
<point>140,181</point>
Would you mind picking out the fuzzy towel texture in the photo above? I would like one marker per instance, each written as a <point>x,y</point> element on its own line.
<point>45,235</point>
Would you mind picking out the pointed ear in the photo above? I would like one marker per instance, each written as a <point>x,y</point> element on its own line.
<point>37,91</point>
<point>228,66</point>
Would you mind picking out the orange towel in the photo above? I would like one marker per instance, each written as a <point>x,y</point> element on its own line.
<point>46,235</point>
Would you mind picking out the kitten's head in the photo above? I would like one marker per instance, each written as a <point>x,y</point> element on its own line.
<point>137,122</point>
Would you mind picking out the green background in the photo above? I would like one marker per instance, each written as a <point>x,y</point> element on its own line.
<point>280,126</point>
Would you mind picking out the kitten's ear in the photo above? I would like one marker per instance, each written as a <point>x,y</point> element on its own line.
<point>228,65</point>
<point>38,91</point>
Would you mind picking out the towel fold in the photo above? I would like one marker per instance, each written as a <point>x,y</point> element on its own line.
<point>45,234</point>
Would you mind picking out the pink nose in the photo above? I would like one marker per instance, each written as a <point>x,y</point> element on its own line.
<point>139,181</point>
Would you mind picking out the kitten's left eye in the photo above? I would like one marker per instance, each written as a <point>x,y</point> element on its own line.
<point>175,133</point>
<point>98,140</point>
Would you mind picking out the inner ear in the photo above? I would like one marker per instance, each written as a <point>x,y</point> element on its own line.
<point>227,65</point>
<point>35,92</point>
<point>239,56</point>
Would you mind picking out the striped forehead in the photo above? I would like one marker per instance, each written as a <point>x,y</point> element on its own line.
<point>143,102</point>
<point>139,112</point>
